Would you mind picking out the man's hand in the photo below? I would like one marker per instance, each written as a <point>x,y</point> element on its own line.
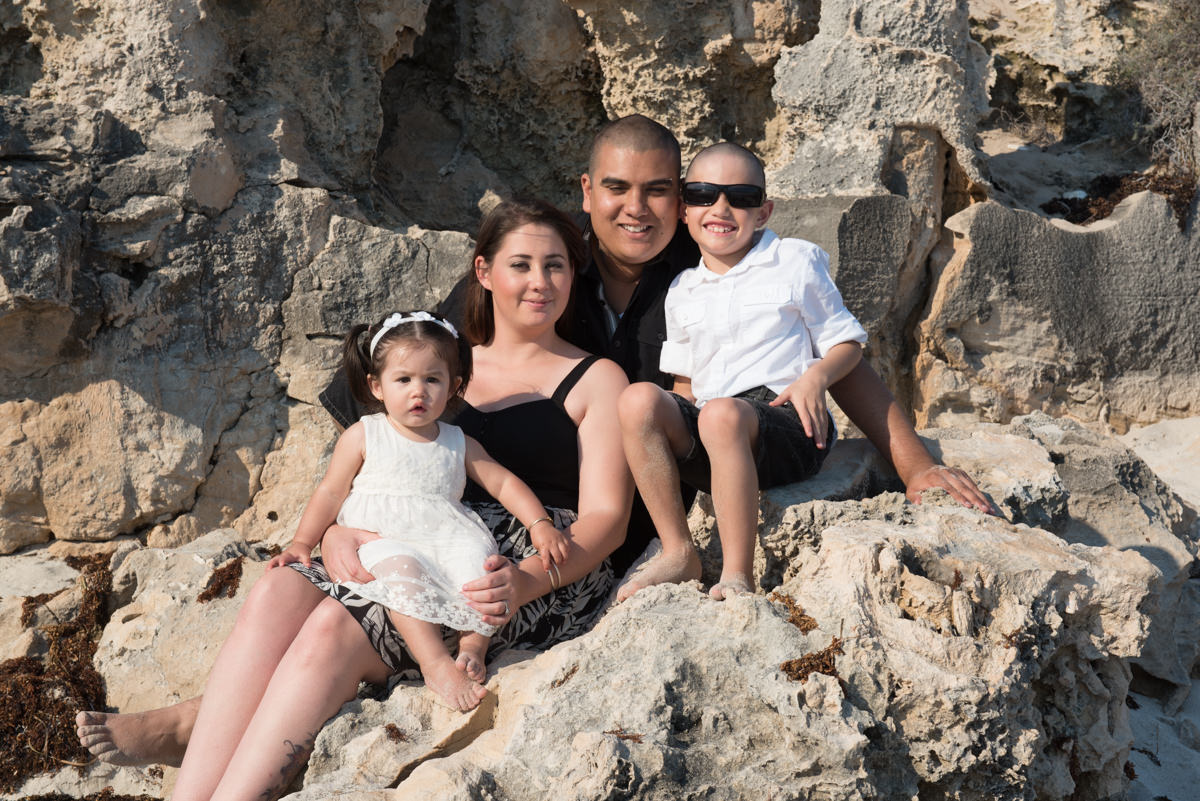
<point>961,487</point>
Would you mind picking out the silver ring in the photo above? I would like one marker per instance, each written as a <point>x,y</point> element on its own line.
<point>506,608</point>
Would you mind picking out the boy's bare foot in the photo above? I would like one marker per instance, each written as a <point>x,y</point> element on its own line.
<point>452,686</point>
<point>669,567</point>
<point>157,737</point>
<point>733,584</point>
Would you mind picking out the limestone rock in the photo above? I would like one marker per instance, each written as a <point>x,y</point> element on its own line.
<point>1030,315</point>
<point>160,641</point>
<point>1172,450</point>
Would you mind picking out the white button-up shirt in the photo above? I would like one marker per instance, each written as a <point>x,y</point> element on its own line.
<point>763,323</point>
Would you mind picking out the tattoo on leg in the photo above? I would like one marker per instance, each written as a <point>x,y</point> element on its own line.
<point>293,762</point>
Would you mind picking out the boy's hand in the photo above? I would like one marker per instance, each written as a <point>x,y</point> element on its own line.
<point>807,395</point>
<point>293,553</point>
<point>550,543</point>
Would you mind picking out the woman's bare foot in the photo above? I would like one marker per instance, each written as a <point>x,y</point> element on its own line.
<point>471,653</point>
<point>452,686</point>
<point>733,584</point>
<point>157,737</point>
<point>669,567</point>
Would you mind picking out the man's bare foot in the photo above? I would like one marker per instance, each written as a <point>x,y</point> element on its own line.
<point>733,584</point>
<point>453,687</point>
<point>471,653</point>
<point>157,737</point>
<point>669,567</point>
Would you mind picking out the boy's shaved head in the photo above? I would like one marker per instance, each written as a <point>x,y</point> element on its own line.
<point>731,150</point>
<point>637,133</point>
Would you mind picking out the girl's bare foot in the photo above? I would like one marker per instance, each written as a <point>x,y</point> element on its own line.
<point>471,652</point>
<point>669,567</point>
<point>733,584</point>
<point>157,737</point>
<point>452,686</point>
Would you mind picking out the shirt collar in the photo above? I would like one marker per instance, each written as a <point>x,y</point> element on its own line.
<point>762,252</point>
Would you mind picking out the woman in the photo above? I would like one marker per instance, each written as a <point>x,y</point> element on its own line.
<point>301,644</point>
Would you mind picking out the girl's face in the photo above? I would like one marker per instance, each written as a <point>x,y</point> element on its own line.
<point>414,385</point>
<point>529,277</point>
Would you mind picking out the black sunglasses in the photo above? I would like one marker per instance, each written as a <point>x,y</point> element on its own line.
<point>740,196</point>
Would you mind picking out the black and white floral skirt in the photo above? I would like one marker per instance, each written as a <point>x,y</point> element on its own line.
<point>538,625</point>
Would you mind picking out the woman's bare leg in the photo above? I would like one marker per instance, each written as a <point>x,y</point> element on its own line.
<point>275,612</point>
<point>320,672</point>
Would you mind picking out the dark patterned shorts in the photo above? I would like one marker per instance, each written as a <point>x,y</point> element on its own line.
<point>538,625</point>
<point>785,453</point>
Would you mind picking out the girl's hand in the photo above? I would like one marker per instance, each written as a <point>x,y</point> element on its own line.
<point>493,595</point>
<point>339,552</point>
<point>807,396</point>
<point>293,553</point>
<point>551,544</point>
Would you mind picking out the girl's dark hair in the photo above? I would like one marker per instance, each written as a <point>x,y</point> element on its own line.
<point>479,324</point>
<point>360,363</point>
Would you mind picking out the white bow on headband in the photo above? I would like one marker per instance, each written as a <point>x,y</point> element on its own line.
<point>396,319</point>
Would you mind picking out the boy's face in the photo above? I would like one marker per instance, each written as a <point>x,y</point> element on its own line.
<point>725,234</point>
<point>633,199</point>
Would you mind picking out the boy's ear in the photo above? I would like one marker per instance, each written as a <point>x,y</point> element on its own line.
<point>483,273</point>
<point>764,214</point>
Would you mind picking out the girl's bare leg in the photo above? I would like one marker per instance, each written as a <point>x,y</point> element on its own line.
<point>729,431</point>
<point>442,675</point>
<point>276,610</point>
<point>472,651</point>
<point>320,671</point>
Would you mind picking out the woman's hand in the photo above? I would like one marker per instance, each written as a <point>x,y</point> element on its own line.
<point>493,595</point>
<point>295,552</point>
<point>339,552</point>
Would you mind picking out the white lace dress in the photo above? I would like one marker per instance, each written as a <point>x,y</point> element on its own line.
<point>431,544</point>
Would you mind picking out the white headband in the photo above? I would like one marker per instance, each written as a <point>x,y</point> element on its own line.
<point>396,319</point>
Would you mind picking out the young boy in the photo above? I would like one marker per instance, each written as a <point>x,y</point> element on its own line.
<point>755,335</point>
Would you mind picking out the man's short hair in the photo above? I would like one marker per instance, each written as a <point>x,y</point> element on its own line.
<point>638,133</point>
<point>737,151</point>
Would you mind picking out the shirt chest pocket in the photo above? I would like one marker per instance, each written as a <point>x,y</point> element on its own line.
<point>690,316</point>
<point>762,310</point>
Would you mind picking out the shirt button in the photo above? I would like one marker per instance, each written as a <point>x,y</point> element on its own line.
<point>617,342</point>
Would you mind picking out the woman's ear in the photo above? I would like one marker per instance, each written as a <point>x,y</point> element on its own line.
<point>483,273</point>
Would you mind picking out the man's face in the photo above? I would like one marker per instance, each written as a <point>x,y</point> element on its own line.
<point>633,199</point>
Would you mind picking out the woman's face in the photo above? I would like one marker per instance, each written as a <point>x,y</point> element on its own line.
<point>529,277</point>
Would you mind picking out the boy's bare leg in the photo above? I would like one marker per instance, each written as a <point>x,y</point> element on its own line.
<point>729,431</point>
<point>472,651</point>
<point>320,672</point>
<point>441,673</point>
<point>155,737</point>
<point>655,436</point>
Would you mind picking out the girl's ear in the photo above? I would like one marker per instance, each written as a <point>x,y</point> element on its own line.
<point>375,386</point>
<point>483,273</point>
<point>457,385</point>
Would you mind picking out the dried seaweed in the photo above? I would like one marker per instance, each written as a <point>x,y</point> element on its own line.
<point>563,679</point>
<point>394,734</point>
<point>621,734</point>
<point>224,581</point>
<point>39,697</point>
<point>1107,191</point>
<point>31,603</point>
<point>106,794</point>
<point>817,662</point>
<point>796,615</point>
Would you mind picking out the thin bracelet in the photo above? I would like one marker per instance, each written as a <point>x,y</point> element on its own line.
<point>554,577</point>
<point>545,519</point>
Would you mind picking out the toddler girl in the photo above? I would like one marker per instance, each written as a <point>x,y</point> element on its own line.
<point>401,473</point>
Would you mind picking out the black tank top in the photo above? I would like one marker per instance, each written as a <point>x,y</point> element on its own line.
<point>537,440</point>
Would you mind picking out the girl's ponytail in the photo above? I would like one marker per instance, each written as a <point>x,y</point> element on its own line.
<point>357,364</point>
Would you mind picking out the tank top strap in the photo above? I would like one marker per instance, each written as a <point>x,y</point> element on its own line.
<point>564,388</point>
